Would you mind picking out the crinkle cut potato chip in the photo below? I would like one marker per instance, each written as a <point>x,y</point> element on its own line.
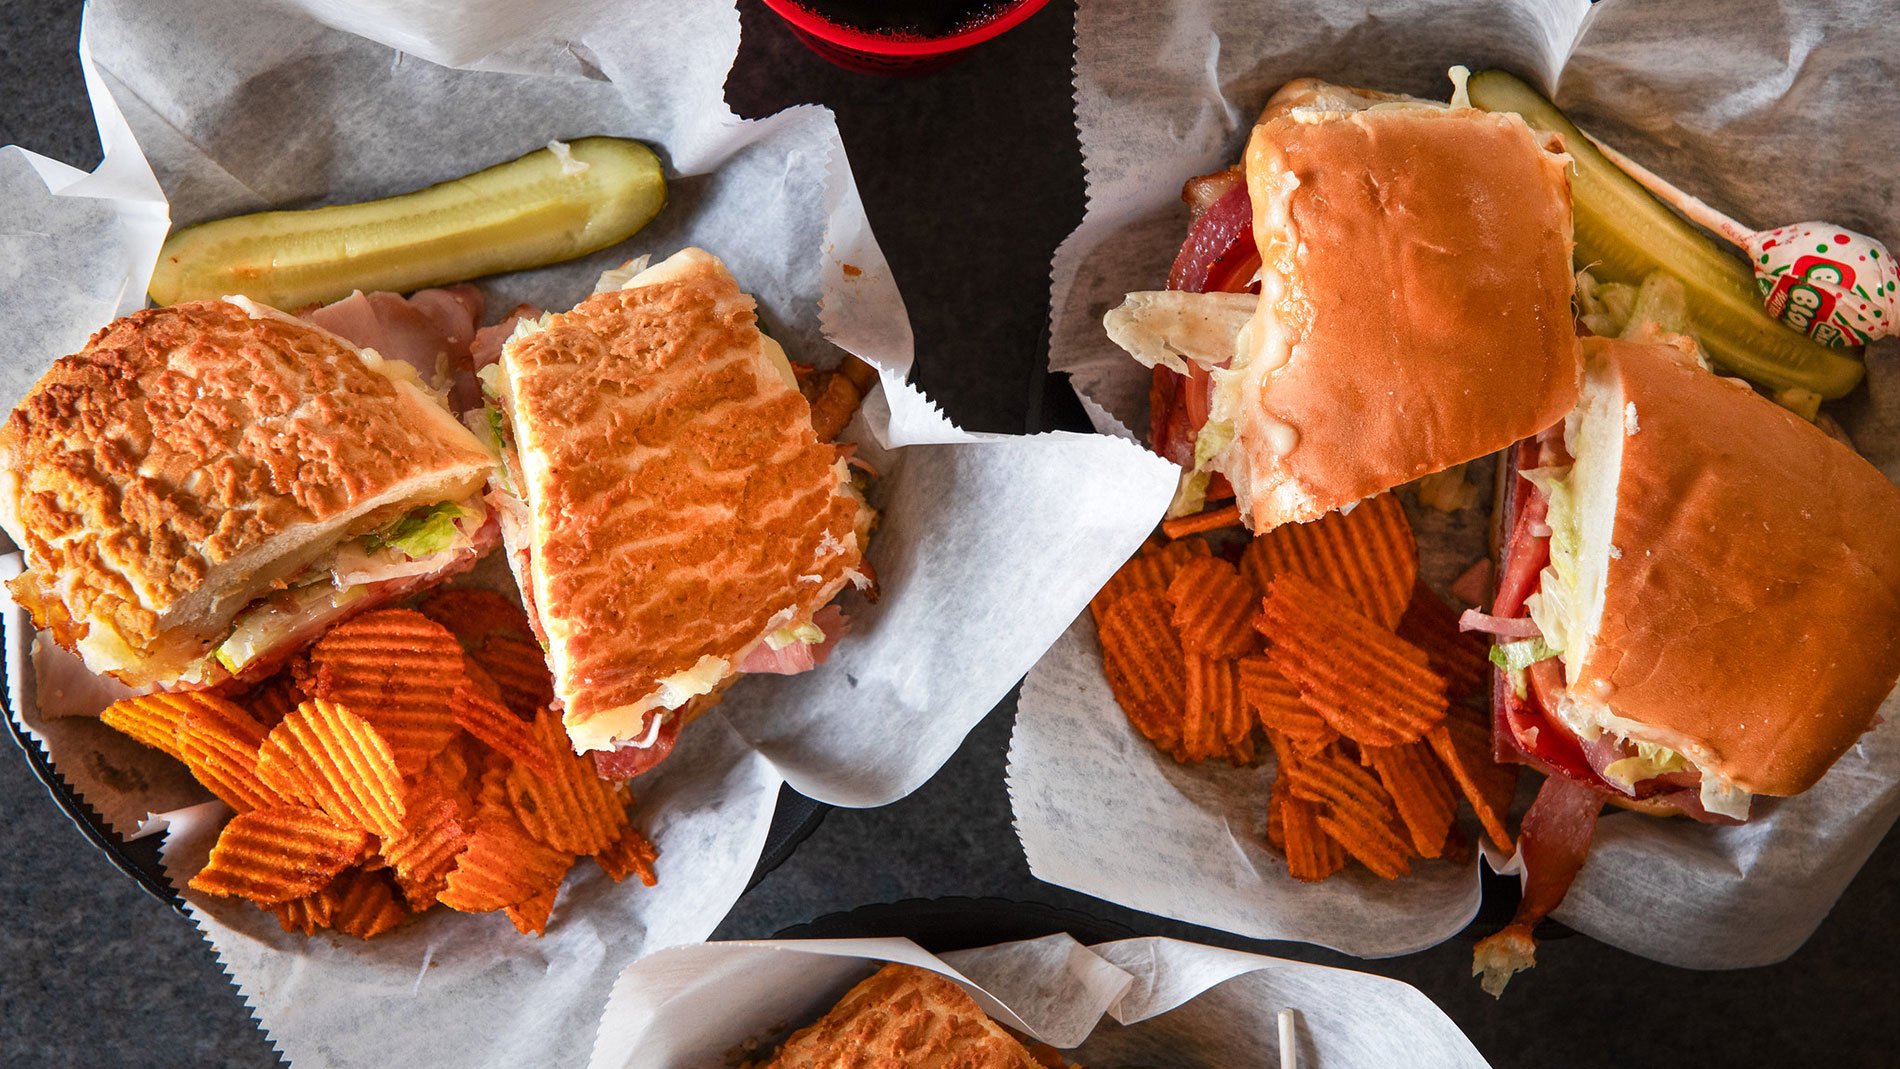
<point>503,866</point>
<point>1213,608</point>
<point>324,755</point>
<point>399,670</point>
<point>218,742</point>
<point>530,917</point>
<point>305,913</point>
<point>274,855</point>
<point>1311,854</point>
<point>1216,721</point>
<point>633,853</point>
<point>1358,812</point>
<point>1151,569</point>
<point>1463,742</point>
<point>1145,667</point>
<point>520,669</point>
<point>1368,553</point>
<point>1275,701</point>
<point>496,725</point>
<point>435,832</point>
<point>1423,795</point>
<point>366,904</point>
<point>1371,686</point>
<point>574,810</point>
<point>1460,656</point>
<point>151,719</point>
<point>474,613</point>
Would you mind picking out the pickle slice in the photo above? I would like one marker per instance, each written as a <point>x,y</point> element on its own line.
<point>539,209</point>
<point>1623,233</point>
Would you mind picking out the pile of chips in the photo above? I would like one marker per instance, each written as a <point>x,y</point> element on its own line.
<point>409,758</point>
<point>1322,636</point>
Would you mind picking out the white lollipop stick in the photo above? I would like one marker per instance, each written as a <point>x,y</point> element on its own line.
<point>1289,1040</point>
<point>1698,212</point>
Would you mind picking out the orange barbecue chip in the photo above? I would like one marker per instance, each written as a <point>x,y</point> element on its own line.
<point>633,853</point>
<point>305,913</point>
<point>1369,553</point>
<point>530,916</point>
<point>572,810</point>
<point>1420,790</point>
<point>1463,743</point>
<point>1151,569</point>
<point>1358,812</point>
<point>1214,608</point>
<point>219,742</point>
<point>497,725</point>
<point>151,719</point>
<point>1371,686</point>
<point>1311,854</point>
<point>399,670</point>
<point>1209,520</point>
<point>1145,667</point>
<point>503,865</point>
<point>366,904</point>
<point>277,854</point>
<point>1276,823</point>
<point>1216,722</point>
<point>472,614</point>
<point>435,831</point>
<point>324,755</point>
<point>273,699</point>
<point>1460,656</point>
<point>1275,701</point>
<point>520,669</point>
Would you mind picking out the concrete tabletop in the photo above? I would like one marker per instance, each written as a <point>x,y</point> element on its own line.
<point>971,178</point>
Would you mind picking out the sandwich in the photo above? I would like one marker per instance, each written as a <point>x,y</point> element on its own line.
<point>911,1017</point>
<point>1698,602</point>
<point>204,488</point>
<point>671,516</point>
<point>1381,291</point>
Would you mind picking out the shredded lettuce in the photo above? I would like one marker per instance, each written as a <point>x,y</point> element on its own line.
<point>423,532</point>
<point>808,633</point>
<point>1519,655</point>
<point>1650,761</point>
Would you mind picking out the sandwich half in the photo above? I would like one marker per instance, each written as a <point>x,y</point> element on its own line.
<point>911,1017</point>
<point>204,487</point>
<point>1413,307</point>
<point>1718,596</point>
<point>670,514</point>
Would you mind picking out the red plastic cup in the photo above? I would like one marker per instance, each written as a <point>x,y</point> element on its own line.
<point>895,54</point>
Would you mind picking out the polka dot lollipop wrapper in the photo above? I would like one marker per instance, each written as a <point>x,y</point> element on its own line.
<point>1836,286</point>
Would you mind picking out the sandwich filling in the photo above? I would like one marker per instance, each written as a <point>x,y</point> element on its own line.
<point>728,494</point>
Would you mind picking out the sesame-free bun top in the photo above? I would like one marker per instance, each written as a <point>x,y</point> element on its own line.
<point>165,475</point>
<point>1415,296</point>
<point>682,508</point>
<point>1751,594</point>
<point>904,1017</point>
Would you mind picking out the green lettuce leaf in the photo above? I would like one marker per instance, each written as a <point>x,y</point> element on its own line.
<point>423,532</point>
<point>1519,655</point>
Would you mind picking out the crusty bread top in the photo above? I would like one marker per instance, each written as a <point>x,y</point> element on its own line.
<point>904,1018</point>
<point>180,438</point>
<point>1751,617</point>
<point>1415,297</point>
<point>682,506</point>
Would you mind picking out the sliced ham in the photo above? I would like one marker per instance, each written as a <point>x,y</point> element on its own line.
<point>430,331</point>
<point>799,657</point>
<point>1509,628</point>
<point>486,348</point>
<point>1553,842</point>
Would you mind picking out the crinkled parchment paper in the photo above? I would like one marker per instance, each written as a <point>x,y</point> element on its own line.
<point>1790,113</point>
<point>212,107</point>
<point>1148,1001</point>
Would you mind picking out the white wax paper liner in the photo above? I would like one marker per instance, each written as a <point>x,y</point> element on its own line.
<point>1771,118</point>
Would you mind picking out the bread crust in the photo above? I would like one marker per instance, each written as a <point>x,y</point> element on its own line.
<point>1415,296</point>
<point>180,438</point>
<point>904,1017</point>
<point>1752,619</point>
<point>682,506</point>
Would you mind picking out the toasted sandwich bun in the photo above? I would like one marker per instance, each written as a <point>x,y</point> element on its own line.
<point>190,459</point>
<point>1415,298</point>
<point>1738,575</point>
<point>677,507</point>
<point>904,1016</point>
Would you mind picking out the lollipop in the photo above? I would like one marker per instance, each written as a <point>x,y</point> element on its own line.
<point>1834,285</point>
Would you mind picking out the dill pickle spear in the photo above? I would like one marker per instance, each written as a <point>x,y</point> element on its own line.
<point>539,209</point>
<point>1623,233</point>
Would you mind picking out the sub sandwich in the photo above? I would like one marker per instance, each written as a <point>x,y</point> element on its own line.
<point>204,488</point>
<point>906,1016</point>
<point>670,514</point>
<point>1698,602</point>
<point>1411,261</point>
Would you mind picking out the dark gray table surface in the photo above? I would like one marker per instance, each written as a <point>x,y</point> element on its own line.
<point>971,178</point>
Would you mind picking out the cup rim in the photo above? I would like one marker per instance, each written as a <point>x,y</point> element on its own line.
<point>803,18</point>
